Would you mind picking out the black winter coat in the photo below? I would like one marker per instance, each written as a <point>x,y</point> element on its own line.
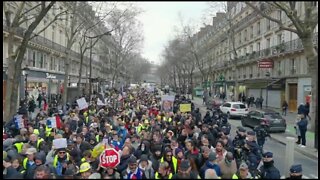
<point>269,171</point>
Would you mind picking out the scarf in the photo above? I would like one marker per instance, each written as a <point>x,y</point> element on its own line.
<point>136,175</point>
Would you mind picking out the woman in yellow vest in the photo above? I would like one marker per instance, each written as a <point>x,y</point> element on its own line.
<point>171,160</point>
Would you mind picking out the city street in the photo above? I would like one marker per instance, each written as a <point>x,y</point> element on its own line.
<point>310,166</point>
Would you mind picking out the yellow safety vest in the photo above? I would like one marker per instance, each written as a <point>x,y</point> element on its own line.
<point>169,119</point>
<point>38,143</point>
<point>235,176</point>
<point>25,161</point>
<point>55,160</point>
<point>174,161</point>
<point>87,119</point>
<point>19,146</point>
<point>36,131</point>
<point>157,176</point>
<point>48,131</point>
<point>97,138</point>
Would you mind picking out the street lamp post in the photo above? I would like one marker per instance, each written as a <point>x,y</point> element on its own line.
<point>267,88</point>
<point>25,73</point>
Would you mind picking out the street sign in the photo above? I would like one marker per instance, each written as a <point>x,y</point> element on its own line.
<point>110,158</point>
<point>265,63</point>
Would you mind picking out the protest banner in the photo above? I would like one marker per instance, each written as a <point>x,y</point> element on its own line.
<point>185,107</point>
<point>60,143</point>
<point>82,103</point>
<point>167,103</point>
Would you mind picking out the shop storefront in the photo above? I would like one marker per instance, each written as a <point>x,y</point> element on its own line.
<point>44,82</point>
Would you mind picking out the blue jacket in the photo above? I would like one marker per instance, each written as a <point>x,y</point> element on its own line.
<point>301,109</point>
<point>209,165</point>
<point>303,123</point>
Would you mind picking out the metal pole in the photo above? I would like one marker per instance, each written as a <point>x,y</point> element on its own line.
<point>290,141</point>
<point>90,84</point>
<point>26,88</point>
<point>267,94</point>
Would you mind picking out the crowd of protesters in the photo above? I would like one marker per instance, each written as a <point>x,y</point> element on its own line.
<point>153,144</point>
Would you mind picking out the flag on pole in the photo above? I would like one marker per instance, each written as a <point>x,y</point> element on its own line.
<point>54,122</point>
<point>19,121</point>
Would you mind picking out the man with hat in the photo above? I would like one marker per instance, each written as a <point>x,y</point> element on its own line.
<point>295,172</point>
<point>243,172</point>
<point>146,165</point>
<point>268,170</point>
<point>184,171</point>
<point>133,171</point>
<point>29,163</point>
<point>211,163</point>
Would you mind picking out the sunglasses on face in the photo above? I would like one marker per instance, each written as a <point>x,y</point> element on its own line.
<point>62,152</point>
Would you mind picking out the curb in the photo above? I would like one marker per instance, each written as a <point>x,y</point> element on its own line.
<point>306,153</point>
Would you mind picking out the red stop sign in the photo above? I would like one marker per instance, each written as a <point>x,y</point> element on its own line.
<point>109,158</point>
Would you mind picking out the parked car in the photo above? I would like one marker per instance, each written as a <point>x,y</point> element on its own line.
<point>214,103</point>
<point>272,118</point>
<point>234,109</point>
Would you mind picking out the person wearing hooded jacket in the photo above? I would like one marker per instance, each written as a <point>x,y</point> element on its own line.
<point>144,148</point>
<point>210,164</point>
<point>156,156</point>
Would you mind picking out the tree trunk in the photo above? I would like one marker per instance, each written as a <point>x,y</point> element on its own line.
<point>191,85</point>
<point>66,75</point>
<point>80,72</point>
<point>312,59</point>
<point>10,79</point>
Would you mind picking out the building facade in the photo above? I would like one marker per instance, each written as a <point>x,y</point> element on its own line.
<point>259,39</point>
<point>46,53</point>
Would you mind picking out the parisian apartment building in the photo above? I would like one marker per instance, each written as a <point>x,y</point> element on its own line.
<point>256,39</point>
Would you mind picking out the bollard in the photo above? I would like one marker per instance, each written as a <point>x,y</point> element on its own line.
<point>289,155</point>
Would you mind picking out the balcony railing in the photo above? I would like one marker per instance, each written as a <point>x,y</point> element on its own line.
<point>43,41</point>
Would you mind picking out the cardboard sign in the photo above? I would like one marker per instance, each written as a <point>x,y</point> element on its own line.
<point>60,143</point>
<point>185,107</point>
<point>82,103</point>
<point>167,103</point>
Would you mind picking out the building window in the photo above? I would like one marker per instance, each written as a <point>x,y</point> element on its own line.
<point>53,34</point>
<point>45,62</point>
<point>293,66</point>
<point>279,38</point>
<point>52,63</point>
<point>258,28</point>
<point>268,24</point>
<point>279,15</point>
<point>258,46</point>
<point>60,37</point>
<point>251,35</point>
<point>268,43</point>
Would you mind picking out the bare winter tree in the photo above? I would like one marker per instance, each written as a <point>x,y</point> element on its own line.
<point>304,26</point>
<point>128,38</point>
<point>30,13</point>
<point>137,67</point>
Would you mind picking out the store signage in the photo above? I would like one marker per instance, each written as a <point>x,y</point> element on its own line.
<point>265,63</point>
<point>50,76</point>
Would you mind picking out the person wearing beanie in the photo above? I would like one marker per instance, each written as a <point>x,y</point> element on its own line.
<point>40,158</point>
<point>179,155</point>
<point>156,156</point>
<point>210,164</point>
<point>268,170</point>
<point>146,165</point>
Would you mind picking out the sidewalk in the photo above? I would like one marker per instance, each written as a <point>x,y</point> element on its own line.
<point>308,151</point>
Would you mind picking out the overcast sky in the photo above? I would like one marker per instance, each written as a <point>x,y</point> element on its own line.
<point>159,19</point>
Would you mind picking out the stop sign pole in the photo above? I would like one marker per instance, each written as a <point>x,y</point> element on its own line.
<point>110,158</point>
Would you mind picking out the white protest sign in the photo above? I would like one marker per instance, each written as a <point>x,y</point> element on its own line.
<point>82,103</point>
<point>60,143</point>
<point>100,103</point>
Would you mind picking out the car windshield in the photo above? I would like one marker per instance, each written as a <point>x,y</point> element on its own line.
<point>239,106</point>
<point>273,115</point>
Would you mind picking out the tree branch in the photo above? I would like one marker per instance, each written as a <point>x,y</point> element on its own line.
<point>270,18</point>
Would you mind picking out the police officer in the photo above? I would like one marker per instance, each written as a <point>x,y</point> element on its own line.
<point>262,133</point>
<point>268,170</point>
<point>238,144</point>
<point>251,157</point>
<point>295,172</point>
